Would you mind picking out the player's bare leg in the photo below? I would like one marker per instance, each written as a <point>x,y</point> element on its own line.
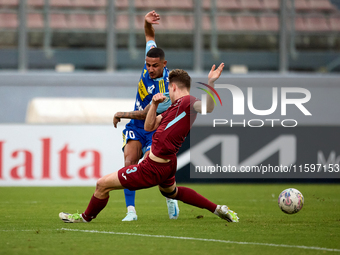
<point>98,200</point>
<point>106,184</point>
<point>132,154</point>
<point>191,197</point>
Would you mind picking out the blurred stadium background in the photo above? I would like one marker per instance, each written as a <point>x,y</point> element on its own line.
<point>100,34</point>
<point>79,61</point>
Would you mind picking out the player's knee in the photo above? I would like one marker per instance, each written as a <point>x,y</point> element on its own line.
<point>129,162</point>
<point>101,186</point>
<point>171,194</point>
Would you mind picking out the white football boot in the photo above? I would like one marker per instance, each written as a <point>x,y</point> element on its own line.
<point>130,216</point>
<point>225,213</point>
<point>173,209</point>
<point>71,218</point>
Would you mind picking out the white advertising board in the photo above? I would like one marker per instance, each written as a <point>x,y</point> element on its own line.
<point>58,155</point>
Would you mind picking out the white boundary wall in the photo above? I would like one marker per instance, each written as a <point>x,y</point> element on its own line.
<point>58,155</point>
<point>76,110</point>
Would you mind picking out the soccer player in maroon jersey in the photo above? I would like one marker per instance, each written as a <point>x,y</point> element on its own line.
<point>137,141</point>
<point>159,168</point>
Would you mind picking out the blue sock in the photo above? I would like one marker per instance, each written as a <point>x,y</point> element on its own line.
<point>129,197</point>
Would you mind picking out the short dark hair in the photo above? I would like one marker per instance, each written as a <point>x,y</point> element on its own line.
<point>156,53</point>
<point>181,78</point>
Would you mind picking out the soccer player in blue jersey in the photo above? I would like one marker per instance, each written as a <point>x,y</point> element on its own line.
<point>160,166</point>
<point>137,141</point>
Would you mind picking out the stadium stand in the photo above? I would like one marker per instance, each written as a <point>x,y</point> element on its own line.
<point>85,3</point>
<point>300,24</point>
<point>302,5</point>
<point>36,3</point>
<point>252,5</point>
<point>79,21</point>
<point>123,4</point>
<point>232,5</point>
<point>103,3</point>
<point>122,22</point>
<point>35,20</point>
<point>334,22</point>
<point>241,18</point>
<point>226,23</point>
<point>181,4</point>
<point>206,24</point>
<point>158,5</point>
<point>8,20</point>
<point>179,22</point>
<point>271,5</point>
<point>139,22</point>
<point>269,23</point>
<point>247,23</point>
<point>322,5</point>
<point>9,3</point>
<point>58,21</point>
<point>99,21</point>
<point>317,23</point>
<point>61,3</point>
<point>180,11</point>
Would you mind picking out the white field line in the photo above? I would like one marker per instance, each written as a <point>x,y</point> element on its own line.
<point>205,240</point>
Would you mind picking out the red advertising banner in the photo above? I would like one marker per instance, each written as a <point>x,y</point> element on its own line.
<point>62,155</point>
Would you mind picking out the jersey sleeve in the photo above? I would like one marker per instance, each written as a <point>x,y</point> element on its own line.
<point>162,107</point>
<point>193,100</point>
<point>149,45</point>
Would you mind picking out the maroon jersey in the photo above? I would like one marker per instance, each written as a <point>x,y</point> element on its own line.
<point>174,127</point>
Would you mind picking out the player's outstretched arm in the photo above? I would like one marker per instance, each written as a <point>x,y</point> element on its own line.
<point>212,77</point>
<point>137,115</point>
<point>152,121</point>
<point>150,18</point>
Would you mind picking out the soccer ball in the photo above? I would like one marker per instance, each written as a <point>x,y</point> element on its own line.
<point>290,201</point>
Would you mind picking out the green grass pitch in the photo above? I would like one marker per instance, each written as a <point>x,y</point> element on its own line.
<point>30,224</point>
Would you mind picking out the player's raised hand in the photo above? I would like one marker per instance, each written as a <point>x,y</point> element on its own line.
<point>158,98</point>
<point>215,74</point>
<point>152,17</point>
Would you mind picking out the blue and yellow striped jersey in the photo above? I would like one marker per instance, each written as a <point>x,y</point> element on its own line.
<point>148,87</point>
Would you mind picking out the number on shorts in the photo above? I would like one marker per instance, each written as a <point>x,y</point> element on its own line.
<point>131,134</point>
<point>129,171</point>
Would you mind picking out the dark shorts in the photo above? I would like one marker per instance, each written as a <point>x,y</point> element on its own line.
<point>147,174</point>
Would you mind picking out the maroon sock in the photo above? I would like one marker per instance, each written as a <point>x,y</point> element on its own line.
<point>191,197</point>
<point>94,207</point>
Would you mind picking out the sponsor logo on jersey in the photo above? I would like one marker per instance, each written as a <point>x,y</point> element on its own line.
<point>151,88</point>
<point>142,90</point>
